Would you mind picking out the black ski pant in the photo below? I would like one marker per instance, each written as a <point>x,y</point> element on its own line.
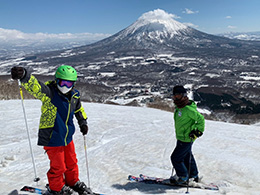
<point>182,158</point>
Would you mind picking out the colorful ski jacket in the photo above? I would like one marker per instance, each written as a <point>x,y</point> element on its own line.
<point>187,119</point>
<point>56,122</point>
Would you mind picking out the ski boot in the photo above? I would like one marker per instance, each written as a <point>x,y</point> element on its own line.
<point>64,191</point>
<point>178,180</point>
<point>81,188</point>
<point>196,178</point>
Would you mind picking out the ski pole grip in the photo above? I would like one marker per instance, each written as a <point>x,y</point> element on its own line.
<point>20,87</point>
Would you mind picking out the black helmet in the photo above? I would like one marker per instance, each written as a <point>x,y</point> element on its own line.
<point>179,89</point>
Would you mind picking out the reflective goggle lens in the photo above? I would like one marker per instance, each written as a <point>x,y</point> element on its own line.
<point>68,84</point>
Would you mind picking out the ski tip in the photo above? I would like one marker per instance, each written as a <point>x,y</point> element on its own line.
<point>24,187</point>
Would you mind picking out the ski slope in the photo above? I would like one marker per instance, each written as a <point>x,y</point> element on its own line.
<point>130,140</point>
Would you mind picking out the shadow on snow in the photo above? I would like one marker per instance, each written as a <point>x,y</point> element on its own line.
<point>145,188</point>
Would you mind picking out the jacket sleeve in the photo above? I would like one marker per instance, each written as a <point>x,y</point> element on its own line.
<point>199,120</point>
<point>36,88</point>
<point>80,114</point>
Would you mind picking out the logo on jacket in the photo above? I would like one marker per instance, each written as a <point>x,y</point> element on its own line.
<point>179,113</point>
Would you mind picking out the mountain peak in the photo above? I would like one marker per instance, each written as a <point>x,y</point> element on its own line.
<point>157,20</point>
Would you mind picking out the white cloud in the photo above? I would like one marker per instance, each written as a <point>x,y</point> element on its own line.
<point>228,17</point>
<point>13,35</point>
<point>158,14</point>
<point>191,25</point>
<point>232,27</point>
<point>189,11</point>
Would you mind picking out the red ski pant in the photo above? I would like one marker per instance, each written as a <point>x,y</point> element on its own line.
<point>63,166</point>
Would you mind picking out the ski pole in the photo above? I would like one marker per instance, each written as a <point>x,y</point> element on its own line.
<point>172,170</point>
<point>86,156</point>
<point>36,179</point>
<point>189,170</point>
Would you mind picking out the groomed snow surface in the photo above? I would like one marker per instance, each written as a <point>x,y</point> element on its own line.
<point>130,140</point>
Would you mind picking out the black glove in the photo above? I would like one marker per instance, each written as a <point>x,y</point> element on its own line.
<point>195,133</point>
<point>84,129</point>
<point>17,72</point>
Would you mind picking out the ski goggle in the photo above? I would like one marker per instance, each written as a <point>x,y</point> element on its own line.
<point>63,83</point>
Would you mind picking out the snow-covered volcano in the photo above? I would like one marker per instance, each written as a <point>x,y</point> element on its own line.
<point>153,30</point>
<point>158,31</point>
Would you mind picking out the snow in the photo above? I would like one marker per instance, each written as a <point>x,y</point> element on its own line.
<point>250,78</point>
<point>130,140</point>
<point>107,74</point>
<point>212,75</point>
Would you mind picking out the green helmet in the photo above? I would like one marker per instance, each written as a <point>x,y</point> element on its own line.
<point>66,72</point>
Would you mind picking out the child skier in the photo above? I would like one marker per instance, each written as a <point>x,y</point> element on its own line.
<point>60,101</point>
<point>189,124</point>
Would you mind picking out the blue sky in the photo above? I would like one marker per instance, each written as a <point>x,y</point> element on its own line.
<point>111,16</point>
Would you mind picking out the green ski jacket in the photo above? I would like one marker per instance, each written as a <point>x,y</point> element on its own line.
<point>187,119</point>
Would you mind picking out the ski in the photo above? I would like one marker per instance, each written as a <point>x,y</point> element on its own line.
<point>33,190</point>
<point>41,191</point>
<point>156,180</point>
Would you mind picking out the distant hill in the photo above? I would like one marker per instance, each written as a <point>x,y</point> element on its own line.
<point>14,43</point>
<point>253,36</point>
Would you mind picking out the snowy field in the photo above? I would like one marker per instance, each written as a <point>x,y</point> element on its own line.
<point>131,140</point>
